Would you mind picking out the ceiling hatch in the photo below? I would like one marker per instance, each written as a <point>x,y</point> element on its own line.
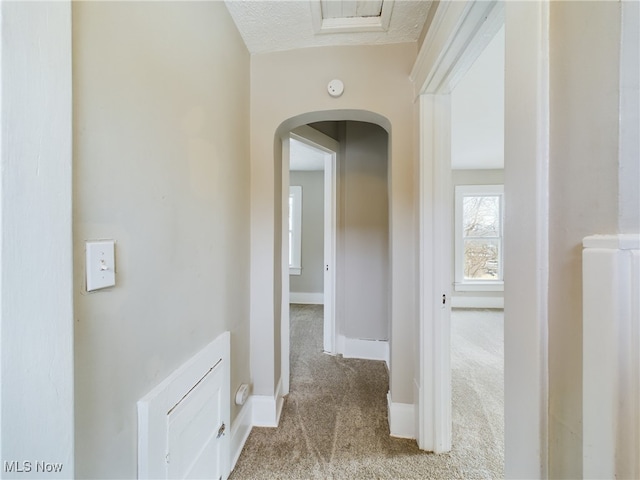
<point>334,16</point>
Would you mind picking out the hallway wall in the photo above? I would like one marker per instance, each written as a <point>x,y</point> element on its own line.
<point>584,189</point>
<point>311,279</point>
<point>290,84</point>
<point>363,296</point>
<point>161,114</point>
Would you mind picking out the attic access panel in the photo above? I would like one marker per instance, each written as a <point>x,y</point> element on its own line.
<point>351,8</point>
<point>332,16</point>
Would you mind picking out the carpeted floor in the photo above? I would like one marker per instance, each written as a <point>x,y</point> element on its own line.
<point>334,421</point>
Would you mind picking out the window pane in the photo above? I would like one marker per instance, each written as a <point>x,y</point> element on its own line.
<point>290,248</point>
<point>290,215</point>
<point>481,259</point>
<point>481,216</point>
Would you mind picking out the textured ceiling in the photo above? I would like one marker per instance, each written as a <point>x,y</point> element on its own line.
<point>276,25</point>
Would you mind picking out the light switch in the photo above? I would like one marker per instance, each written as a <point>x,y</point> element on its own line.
<point>100,264</point>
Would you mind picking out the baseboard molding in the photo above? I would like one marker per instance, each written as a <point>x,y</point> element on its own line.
<point>240,431</point>
<point>266,409</point>
<point>365,349</point>
<point>307,298</point>
<point>401,419</point>
<point>477,302</point>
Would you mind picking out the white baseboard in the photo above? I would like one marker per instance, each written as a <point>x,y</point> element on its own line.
<point>477,302</point>
<point>266,409</point>
<point>401,419</point>
<point>365,349</point>
<point>307,298</point>
<point>240,431</point>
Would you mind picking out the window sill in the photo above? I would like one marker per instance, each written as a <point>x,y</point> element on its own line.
<point>295,271</point>
<point>488,286</point>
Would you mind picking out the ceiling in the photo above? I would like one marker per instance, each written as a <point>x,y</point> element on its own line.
<point>477,112</point>
<point>277,25</point>
<point>304,157</point>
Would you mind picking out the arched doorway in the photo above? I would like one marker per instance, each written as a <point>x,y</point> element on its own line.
<point>336,336</point>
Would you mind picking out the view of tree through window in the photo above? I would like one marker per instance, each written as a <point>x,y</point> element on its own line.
<point>482,237</point>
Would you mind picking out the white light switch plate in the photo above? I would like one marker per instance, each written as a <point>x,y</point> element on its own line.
<point>100,264</point>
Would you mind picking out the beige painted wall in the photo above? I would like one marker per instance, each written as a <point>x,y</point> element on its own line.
<point>584,78</point>
<point>363,234</point>
<point>311,278</point>
<point>160,165</point>
<point>291,84</point>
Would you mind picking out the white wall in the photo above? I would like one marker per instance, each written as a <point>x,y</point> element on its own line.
<point>477,111</point>
<point>583,171</point>
<point>311,278</point>
<point>161,155</point>
<point>363,234</point>
<point>289,85</point>
<point>36,314</point>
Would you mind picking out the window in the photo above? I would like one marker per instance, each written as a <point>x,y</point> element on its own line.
<point>479,252</point>
<point>295,230</point>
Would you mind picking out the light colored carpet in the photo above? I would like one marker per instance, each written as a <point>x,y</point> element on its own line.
<point>334,421</point>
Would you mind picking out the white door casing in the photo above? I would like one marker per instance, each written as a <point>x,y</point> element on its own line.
<point>459,32</point>
<point>330,148</point>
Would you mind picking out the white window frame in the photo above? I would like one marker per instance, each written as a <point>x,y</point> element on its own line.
<point>295,230</point>
<point>461,284</point>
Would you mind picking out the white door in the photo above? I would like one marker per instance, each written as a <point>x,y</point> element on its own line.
<point>197,431</point>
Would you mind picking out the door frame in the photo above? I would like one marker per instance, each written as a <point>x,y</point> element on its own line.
<point>459,32</point>
<point>331,147</point>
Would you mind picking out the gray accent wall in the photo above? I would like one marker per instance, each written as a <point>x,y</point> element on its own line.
<point>363,288</point>
<point>311,279</point>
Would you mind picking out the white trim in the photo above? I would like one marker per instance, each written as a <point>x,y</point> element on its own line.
<point>462,191</point>
<point>320,141</point>
<point>477,302</point>
<point>306,298</point>
<point>38,285</point>
<point>479,287</point>
<point>153,408</point>
<point>611,366</point>
<point>364,349</point>
<point>266,409</point>
<point>401,419</point>
<point>284,268</point>
<point>330,246</point>
<point>622,241</point>
<point>436,232</point>
<point>240,430</point>
<point>458,34</point>
<point>527,191</point>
